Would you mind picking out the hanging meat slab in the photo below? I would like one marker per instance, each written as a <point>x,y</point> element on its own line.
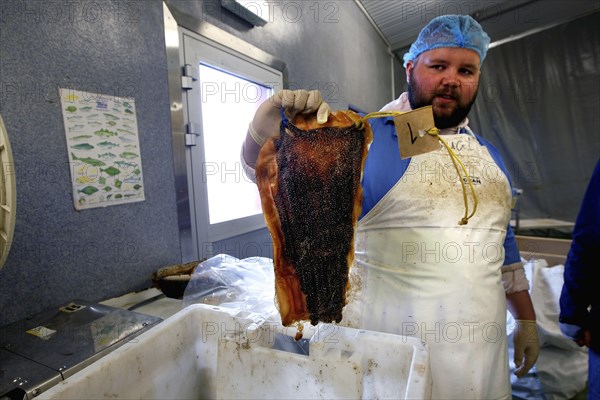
<point>309,181</point>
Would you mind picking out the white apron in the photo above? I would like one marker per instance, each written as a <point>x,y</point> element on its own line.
<point>419,273</point>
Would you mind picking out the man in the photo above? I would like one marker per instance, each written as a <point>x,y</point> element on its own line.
<point>422,273</point>
<point>580,299</point>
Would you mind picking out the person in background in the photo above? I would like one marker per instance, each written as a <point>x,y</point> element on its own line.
<point>580,298</point>
<point>423,272</point>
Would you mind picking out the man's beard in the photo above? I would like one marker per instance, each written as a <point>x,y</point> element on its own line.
<point>418,97</point>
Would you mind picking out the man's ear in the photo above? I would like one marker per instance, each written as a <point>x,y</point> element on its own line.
<point>409,67</point>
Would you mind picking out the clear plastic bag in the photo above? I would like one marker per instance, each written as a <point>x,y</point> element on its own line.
<point>561,369</point>
<point>247,284</point>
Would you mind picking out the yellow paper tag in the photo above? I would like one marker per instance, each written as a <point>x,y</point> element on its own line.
<point>411,129</point>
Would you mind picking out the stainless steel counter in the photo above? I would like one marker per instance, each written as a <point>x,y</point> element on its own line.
<point>40,351</point>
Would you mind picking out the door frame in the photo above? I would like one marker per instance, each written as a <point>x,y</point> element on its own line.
<point>174,21</point>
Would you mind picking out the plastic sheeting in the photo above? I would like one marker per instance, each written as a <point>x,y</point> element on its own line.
<point>223,280</point>
<point>248,285</point>
<point>538,103</point>
<point>561,369</point>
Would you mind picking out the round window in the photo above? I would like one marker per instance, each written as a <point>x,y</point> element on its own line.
<point>8,194</point>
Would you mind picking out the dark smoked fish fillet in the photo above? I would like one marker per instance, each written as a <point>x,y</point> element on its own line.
<point>309,184</point>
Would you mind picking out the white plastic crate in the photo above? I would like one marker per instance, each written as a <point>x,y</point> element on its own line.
<point>213,352</point>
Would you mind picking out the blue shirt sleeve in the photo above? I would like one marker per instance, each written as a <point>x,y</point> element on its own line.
<point>582,269</point>
<point>383,167</point>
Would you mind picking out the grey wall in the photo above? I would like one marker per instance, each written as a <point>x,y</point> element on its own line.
<point>59,254</point>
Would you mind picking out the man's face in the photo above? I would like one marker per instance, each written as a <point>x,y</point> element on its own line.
<point>447,79</point>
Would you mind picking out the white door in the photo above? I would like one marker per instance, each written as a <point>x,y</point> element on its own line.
<point>225,89</point>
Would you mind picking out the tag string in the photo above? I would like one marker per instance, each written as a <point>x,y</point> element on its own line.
<point>455,160</point>
<point>465,219</point>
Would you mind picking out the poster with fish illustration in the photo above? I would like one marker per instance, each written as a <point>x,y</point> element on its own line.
<point>104,149</point>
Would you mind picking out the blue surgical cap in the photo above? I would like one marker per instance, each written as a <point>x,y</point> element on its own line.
<point>450,31</point>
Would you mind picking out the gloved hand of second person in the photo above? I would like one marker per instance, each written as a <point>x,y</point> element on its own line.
<point>526,345</point>
<point>268,117</point>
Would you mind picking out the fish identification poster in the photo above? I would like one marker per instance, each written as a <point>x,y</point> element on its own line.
<point>104,149</point>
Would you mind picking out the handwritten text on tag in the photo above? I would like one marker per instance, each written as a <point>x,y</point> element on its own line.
<point>411,129</point>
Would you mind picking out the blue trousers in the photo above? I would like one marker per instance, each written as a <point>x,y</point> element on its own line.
<point>594,375</point>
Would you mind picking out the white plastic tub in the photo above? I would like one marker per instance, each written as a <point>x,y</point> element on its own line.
<point>214,352</point>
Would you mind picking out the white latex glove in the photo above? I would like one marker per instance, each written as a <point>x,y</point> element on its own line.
<point>526,344</point>
<point>268,117</point>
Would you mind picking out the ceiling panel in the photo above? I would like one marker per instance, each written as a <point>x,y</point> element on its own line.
<point>400,21</point>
